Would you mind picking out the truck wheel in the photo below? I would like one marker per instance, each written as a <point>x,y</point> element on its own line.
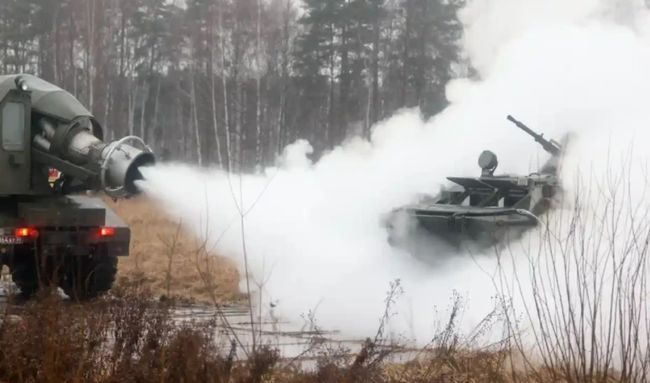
<point>25,276</point>
<point>30,275</point>
<point>89,277</point>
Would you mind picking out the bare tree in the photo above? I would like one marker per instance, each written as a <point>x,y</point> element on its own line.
<point>258,79</point>
<point>194,107</point>
<point>261,72</point>
<point>580,291</point>
<point>211,69</point>
<point>224,85</point>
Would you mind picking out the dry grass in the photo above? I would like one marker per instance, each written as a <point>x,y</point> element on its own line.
<point>131,337</point>
<point>168,261</point>
<point>127,338</point>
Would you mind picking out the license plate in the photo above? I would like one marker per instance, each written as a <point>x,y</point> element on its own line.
<point>10,240</point>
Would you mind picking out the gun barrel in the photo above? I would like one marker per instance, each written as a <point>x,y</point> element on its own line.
<point>550,146</point>
<point>523,127</point>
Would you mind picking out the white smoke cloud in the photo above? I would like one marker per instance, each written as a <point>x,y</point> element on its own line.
<point>313,231</point>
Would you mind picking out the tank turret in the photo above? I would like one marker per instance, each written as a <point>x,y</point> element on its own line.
<point>481,211</point>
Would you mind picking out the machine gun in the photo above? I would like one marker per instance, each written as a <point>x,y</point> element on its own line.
<point>47,229</point>
<point>550,146</point>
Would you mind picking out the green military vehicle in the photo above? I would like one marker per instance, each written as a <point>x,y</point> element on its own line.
<point>478,211</point>
<point>51,231</point>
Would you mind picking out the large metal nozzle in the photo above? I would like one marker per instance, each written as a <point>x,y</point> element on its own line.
<point>115,166</point>
<point>121,165</point>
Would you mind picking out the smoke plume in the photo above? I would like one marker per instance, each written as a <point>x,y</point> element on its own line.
<point>312,231</point>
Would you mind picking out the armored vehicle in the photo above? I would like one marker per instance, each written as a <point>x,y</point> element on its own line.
<point>479,211</point>
<point>51,156</point>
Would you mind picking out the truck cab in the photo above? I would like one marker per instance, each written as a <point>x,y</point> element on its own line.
<point>52,233</point>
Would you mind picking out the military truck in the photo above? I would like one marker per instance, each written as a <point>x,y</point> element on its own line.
<point>479,211</point>
<point>52,154</point>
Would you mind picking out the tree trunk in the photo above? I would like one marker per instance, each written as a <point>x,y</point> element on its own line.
<point>122,42</point>
<point>224,85</point>
<point>239,115</point>
<point>90,51</point>
<point>56,48</point>
<point>420,82</point>
<point>281,133</point>
<point>374,116</point>
<point>213,100</point>
<point>195,117</point>
<point>108,131</point>
<point>258,100</point>
<point>406,53</point>
<point>73,71</point>
<point>328,139</point>
<point>154,124</point>
<point>132,96</point>
<point>143,109</point>
<point>238,97</point>
<point>344,91</point>
<point>180,122</point>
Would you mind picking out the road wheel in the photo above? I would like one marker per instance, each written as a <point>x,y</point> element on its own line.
<point>88,277</point>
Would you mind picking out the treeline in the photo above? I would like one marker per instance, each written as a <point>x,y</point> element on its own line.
<point>231,82</point>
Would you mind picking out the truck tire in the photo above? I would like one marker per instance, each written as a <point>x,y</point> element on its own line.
<point>25,275</point>
<point>88,277</point>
